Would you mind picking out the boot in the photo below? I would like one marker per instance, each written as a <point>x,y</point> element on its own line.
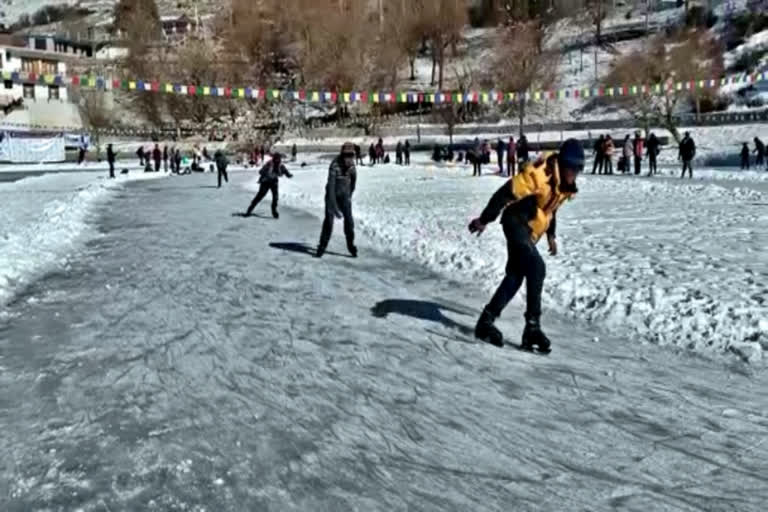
<point>352,249</point>
<point>533,336</point>
<point>275,214</point>
<point>486,331</point>
<point>319,251</point>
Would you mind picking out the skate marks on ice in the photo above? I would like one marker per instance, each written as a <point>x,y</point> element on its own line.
<point>253,215</point>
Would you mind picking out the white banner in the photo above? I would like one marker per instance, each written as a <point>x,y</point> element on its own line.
<point>25,148</point>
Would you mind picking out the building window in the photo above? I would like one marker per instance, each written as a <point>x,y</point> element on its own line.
<point>53,92</point>
<point>40,43</point>
<point>7,55</point>
<point>29,91</point>
<point>8,84</point>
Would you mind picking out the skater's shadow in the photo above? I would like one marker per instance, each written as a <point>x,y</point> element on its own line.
<point>423,310</point>
<point>208,186</point>
<point>302,248</point>
<point>254,215</point>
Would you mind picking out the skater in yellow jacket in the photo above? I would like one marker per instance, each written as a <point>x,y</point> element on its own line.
<point>528,204</point>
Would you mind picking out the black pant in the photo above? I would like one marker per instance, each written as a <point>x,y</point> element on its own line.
<point>399,159</point>
<point>598,165</point>
<point>760,159</point>
<point>111,169</point>
<point>687,165</point>
<point>744,163</point>
<point>265,187</point>
<point>523,262</point>
<point>500,158</point>
<point>607,165</point>
<point>477,168</point>
<point>81,156</point>
<point>344,204</point>
<point>223,172</point>
<point>652,168</point>
<point>407,159</point>
<point>157,165</point>
<point>638,161</point>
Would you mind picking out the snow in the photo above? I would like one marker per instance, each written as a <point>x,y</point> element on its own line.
<point>655,260</point>
<point>43,219</point>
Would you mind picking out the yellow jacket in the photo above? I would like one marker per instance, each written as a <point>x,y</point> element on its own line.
<point>534,181</point>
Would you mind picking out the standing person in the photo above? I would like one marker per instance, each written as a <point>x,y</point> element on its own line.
<point>342,179</point>
<point>760,150</point>
<point>358,155</point>
<point>294,152</point>
<point>687,153</point>
<point>372,154</point>
<point>608,149</point>
<point>627,152</point>
<point>177,160</point>
<point>522,151</point>
<point>500,155</point>
<point>111,157</point>
<point>221,165</point>
<point>745,157</point>
<point>165,158</point>
<point>653,152</point>
<point>380,151</point>
<point>511,155</point>
<point>477,159</point>
<point>528,204</point>
<point>157,156</point>
<point>598,151</point>
<point>140,154</point>
<point>399,153</point>
<point>269,177</point>
<point>638,152</point>
<point>407,152</point>
<point>83,149</point>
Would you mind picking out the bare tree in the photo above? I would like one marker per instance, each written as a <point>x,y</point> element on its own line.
<point>663,73</point>
<point>522,64</point>
<point>96,114</point>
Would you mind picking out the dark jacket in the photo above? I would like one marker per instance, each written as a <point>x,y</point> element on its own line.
<point>341,181</point>
<point>652,146</point>
<point>687,149</point>
<point>110,155</point>
<point>221,159</point>
<point>270,174</point>
<point>156,154</point>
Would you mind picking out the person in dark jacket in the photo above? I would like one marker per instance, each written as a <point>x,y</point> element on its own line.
<point>687,153</point>
<point>528,204</point>
<point>598,151</point>
<point>760,150</point>
<point>399,153</point>
<point>111,157</point>
<point>157,156</point>
<point>165,158</point>
<point>140,154</point>
<point>500,150</point>
<point>342,178</point>
<point>221,165</point>
<point>177,160</point>
<point>294,152</point>
<point>475,156</point>
<point>407,152</point>
<point>372,154</point>
<point>269,177</point>
<point>745,157</point>
<point>522,151</point>
<point>653,149</point>
<point>358,155</point>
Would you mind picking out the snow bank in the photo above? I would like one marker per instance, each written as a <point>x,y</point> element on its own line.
<point>663,261</point>
<point>43,219</point>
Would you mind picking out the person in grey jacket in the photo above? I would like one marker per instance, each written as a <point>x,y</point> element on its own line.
<point>221,165</point>
<point>270,175</point>
<point>342,177</point>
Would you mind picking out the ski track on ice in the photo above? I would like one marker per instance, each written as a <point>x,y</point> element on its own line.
<point>661,260</point>
<point>184,364</point>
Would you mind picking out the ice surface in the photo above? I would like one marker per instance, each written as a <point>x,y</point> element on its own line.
<point>664,261</point>
<point>193,360</point>
<point>43,218</point>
